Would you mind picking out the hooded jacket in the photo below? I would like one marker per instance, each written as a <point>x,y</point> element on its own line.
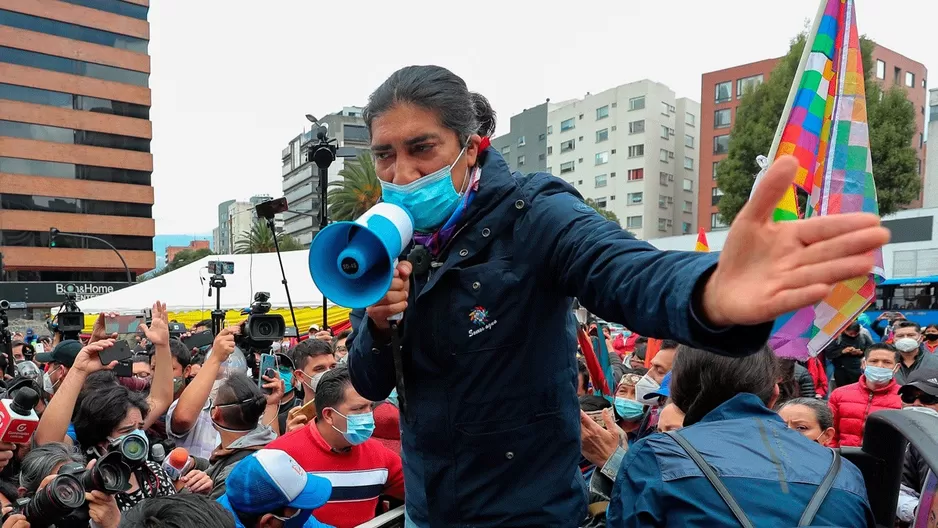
<point>225,458</point>
<point>852,404</point>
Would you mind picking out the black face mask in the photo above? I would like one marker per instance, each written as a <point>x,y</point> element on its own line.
<point>931,337</point>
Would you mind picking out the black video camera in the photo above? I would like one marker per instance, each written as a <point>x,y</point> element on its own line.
<point>261,328</point>
<point>70,320</point>
<point>110,474</point>
<point>52,503</point>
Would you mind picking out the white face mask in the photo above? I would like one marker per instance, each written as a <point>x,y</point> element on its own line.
<point>923,410</point>
<point>906,344</point>
<point>644,387</point>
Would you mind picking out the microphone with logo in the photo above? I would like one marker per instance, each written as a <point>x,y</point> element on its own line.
<point>178,463</point>
<point>18,418</point>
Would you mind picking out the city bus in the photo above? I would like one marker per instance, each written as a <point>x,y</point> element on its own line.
<point>915,297</point>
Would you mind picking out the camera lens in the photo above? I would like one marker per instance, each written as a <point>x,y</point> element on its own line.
<point>134,448</point>
<point>265,329</point>
<point>109,475</point>
<point>64,494</point>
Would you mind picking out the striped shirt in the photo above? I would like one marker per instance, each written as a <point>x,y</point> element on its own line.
<point>358,476</point>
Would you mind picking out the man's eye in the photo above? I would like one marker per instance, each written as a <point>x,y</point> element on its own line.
<point>422,148</point>
<point>382,155</point>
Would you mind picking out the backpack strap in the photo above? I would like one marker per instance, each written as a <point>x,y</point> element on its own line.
<point>713,478</point>
<point>818,498</point>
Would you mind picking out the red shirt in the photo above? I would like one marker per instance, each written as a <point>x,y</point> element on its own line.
<point>358,476</point>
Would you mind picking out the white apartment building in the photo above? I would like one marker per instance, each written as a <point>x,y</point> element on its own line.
<point>930,193</point>
<point>633,149</point>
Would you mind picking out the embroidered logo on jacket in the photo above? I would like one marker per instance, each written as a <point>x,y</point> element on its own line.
<point>479,318</point>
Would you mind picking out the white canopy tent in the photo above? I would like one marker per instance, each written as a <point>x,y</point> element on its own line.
<point>186,289</point>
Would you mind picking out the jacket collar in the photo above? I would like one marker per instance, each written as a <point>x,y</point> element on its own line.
<point>743,405</point>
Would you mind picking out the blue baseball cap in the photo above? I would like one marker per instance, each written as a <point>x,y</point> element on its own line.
<point>269,480</point>
<point>664,391</point>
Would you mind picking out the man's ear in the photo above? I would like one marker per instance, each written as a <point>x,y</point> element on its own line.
<point>268,521</point>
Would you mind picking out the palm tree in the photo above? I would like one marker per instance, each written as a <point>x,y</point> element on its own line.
<point>357,191</point>
<point>260,239</point>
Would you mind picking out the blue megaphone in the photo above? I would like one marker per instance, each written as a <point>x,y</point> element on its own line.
<point>352,263</point>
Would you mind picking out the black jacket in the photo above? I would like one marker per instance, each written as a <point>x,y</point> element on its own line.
<point>805,381</point>
<point>846,367</point>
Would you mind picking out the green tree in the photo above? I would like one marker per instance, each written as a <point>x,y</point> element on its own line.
<point>260,239</point>
<point>891,123</point>
<point>357,191</point>
<point>608,215</point>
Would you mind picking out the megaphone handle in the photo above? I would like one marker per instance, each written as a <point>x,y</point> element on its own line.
<point>398,366</point>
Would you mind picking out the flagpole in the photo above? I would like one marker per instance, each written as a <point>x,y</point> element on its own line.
<point>786,113</point>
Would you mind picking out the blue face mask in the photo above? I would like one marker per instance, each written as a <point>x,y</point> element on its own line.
<point>430,200</point>
<point>358,427</point>
<point>878,375</point>
<point>392,398</point>
<point>629,410</point>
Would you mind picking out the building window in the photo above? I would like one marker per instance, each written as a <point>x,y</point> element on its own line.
<point>637,103</point>
<point>49,204</point>
<point>722,118</point>
<point>662,202</point>
<point>688,163</point>
<point>724,91</point>
<point>662,224</point>
<point>506,150</point>
<point>721,144</point>
<point>550,170</point>
<point>550,150</point>
<point>541,157</point>
<point>54,169</point>
<point>715,195</point>
<point>600,180</point>
<point>25,94</point>
<point>567,146</point>
<point>637,127</point>
<point>665,178</point>
<point>634,198</point>
<point>601,202</point>
<point>602,112</point>
<point>880,69</point>
<point>567,124</point>
<point>72,67</point>
<point>688,141</point>
<point>602,158</point>
<point>688,207</point>
<point>665,155</point>
<point>541,137</point>
<point>636,174</point>
<point>566,167</point>
<point>602,135</point>
<point>633,222</point>
<point>665,132</point>
<point>690,119</point>
<point>520,160</point>
<point>550,129</point>
<point>910,79</point>
<point>716,223</point>
<point>119,8</point>
<point>521,142</point>
<point>72,137</point>
<point>747,83</point>
<point>636,151</point>
<point>72,31</point>
<point>664,108</point>
<point>688,185</point>
<point>685,228</point>
<point>715,164</point>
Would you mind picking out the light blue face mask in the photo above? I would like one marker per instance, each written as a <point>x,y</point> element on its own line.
<point>629,410</point>
<point>392,398</point>
<point>878,375</point>
<point>430,200</point>
<point>359,427</point>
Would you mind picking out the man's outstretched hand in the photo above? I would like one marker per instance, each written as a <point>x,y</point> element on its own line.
<point>767,269</point>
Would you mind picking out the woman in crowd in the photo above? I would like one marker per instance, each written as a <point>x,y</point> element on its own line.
<point>810,417</point>
<point>931,338</point>
<point>236,414</point>
<point>664,479</point>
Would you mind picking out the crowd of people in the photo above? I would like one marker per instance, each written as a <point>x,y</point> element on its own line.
<point>196,436</point>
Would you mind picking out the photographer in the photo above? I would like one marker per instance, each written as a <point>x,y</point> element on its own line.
<point>7,498</point>
<point>54,425</point>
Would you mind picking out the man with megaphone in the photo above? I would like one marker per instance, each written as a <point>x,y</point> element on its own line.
<point>490,419</point>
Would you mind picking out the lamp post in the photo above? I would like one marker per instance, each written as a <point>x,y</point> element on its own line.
<point>53,233</point>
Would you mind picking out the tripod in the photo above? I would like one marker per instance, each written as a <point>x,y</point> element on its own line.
<point>218,315</point>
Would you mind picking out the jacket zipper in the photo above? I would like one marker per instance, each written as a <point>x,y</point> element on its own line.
<point>869,405</point>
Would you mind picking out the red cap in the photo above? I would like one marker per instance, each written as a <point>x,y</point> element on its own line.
<point>178,457</point>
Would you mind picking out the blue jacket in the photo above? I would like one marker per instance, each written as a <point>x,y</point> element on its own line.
<point>492,434</point>
<point>771,471</point>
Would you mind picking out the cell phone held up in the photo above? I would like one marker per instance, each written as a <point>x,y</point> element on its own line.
<point>267,368</point>
<point>121,353</point>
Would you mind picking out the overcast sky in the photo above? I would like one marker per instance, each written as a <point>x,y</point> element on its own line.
<point>232,81</point>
